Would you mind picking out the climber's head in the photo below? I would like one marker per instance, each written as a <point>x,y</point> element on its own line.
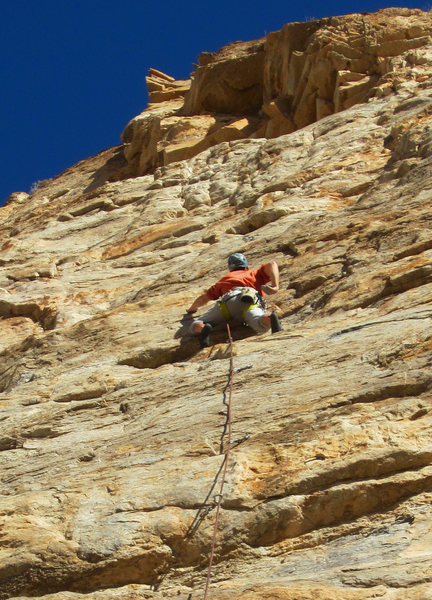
<point>237,262</point>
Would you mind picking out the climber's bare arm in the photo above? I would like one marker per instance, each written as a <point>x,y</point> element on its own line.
<point>200,301</point>
<point>271,269</point>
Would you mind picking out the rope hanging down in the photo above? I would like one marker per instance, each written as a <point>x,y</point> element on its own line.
<point>225,466</point>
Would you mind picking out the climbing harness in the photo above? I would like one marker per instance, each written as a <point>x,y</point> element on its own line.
<point>218,497</point>
<point>249,296</point>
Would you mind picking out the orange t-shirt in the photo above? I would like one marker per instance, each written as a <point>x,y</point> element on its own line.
<point>253,278</point>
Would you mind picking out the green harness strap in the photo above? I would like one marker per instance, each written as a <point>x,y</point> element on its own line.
<point>226,313</point>
<point>248,307</point>
<point>224,310</point>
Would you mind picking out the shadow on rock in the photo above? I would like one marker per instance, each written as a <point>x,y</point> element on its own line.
<point>114,169</point>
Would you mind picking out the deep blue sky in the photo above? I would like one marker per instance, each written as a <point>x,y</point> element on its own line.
<point>73,71</point>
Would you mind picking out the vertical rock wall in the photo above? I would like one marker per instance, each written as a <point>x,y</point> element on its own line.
<point>281,83</point>
<point>113,421</point>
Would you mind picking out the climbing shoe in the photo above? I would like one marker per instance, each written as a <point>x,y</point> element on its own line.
<point>275,323</point>
<point>204,337</point>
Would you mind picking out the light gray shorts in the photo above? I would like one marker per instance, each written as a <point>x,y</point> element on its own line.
<point>235,306</point>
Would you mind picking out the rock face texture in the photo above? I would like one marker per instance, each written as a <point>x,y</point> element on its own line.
<point>278,84</point>
<point>313,148</point>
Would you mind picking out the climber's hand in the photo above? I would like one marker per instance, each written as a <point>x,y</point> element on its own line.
<point>270,289</point>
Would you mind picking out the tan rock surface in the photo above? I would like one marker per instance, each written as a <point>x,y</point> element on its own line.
<point>290,79</point>
<point>113,420</point>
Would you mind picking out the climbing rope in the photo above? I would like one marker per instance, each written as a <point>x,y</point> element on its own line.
<point>225,466</point>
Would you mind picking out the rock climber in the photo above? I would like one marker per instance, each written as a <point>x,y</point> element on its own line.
<point>240,297</point>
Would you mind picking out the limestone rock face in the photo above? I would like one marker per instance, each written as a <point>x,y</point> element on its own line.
<point>229,81</point>
<point>162,87</point>
<point>281,83</point>
<point>326,66</point>
<point>114,422</point>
